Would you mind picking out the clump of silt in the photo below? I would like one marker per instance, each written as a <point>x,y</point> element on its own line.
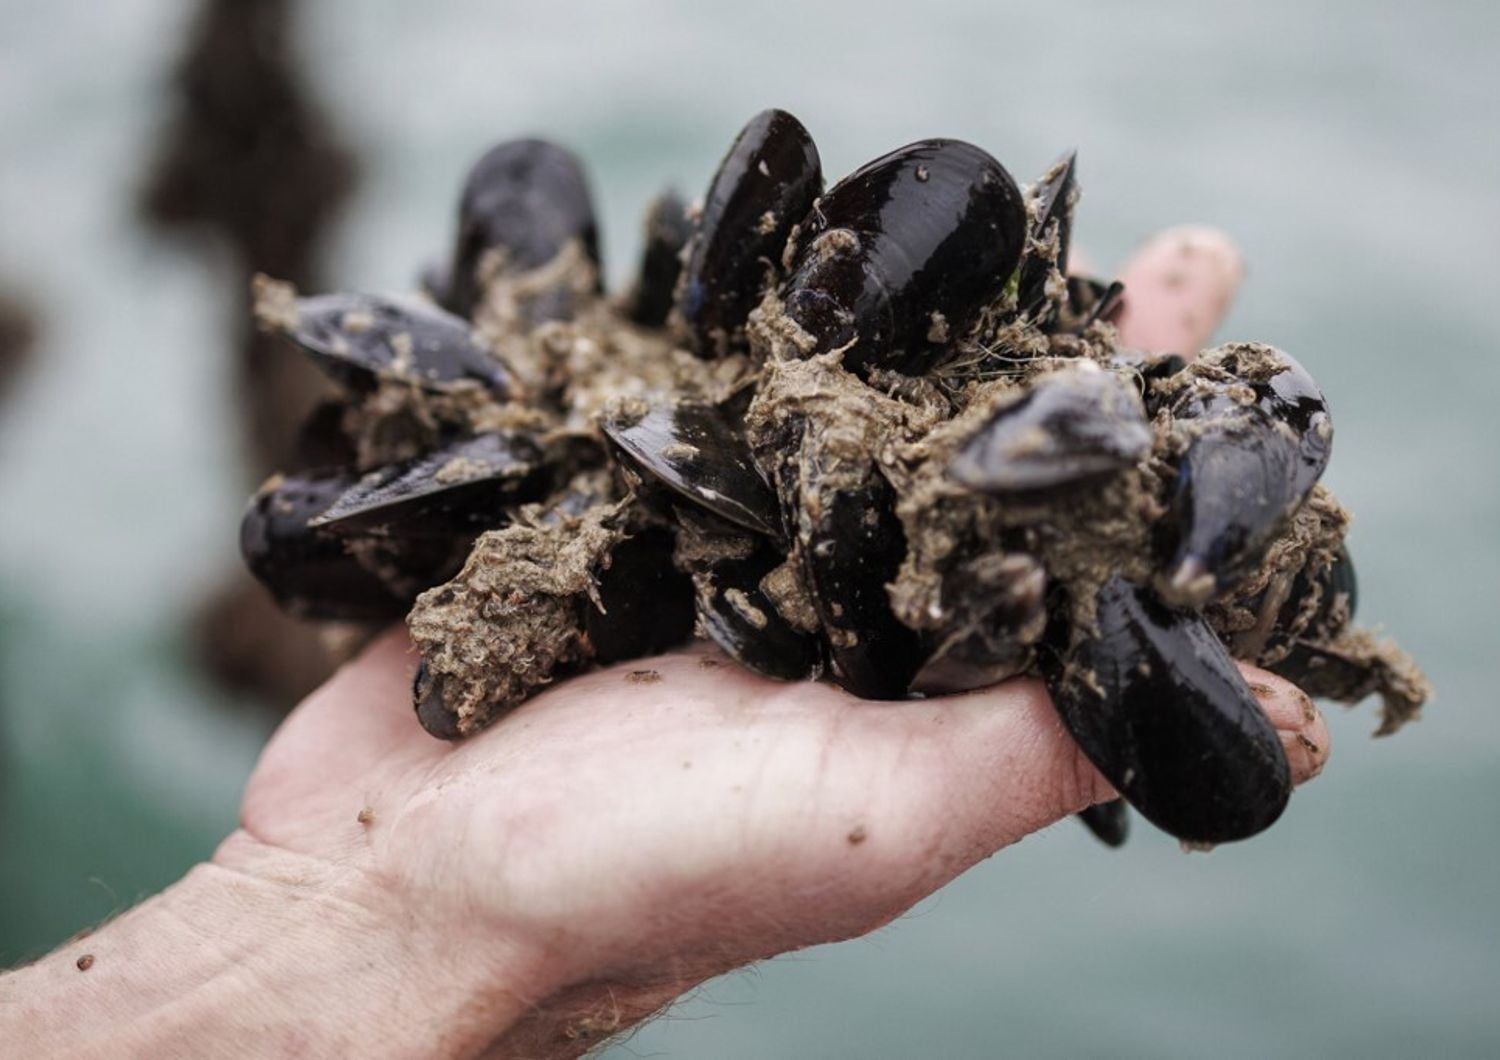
<point>872,433</point>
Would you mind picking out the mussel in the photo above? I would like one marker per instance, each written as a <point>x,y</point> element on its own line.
<point>1153,698</point>
<point>765,185</point>
<point>900,256</point>
<point>524,201</point>
<point>359,340</point>
<point>875,433</point>
<point>666,232</point>
<point>311,572</point>
<point>1258,438</point>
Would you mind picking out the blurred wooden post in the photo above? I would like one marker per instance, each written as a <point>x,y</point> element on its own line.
<point>248,158</point>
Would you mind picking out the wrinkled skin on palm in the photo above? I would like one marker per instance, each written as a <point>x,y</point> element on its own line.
<point>868,433</point>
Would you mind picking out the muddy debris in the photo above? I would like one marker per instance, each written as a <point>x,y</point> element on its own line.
<point>877,438</point>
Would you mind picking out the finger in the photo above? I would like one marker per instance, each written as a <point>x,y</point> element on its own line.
<point>980,771</point>
<point>1304,733</point>
<point>1178,287</point>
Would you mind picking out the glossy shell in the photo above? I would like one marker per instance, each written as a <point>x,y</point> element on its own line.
<point>667,230</point>
<point>311,572</point>
<point>1068,428</point>
<point>524,200</point>
<point>457,490</point>
<point>698,451</point>
<point>642,604</point>
<point>1051,231</point>
<point>736,613</point>
<point>1154,700</point>
<point>851,547</point>
<point>1259,440</point>
<point>900,255</point>
<point>1108,821</point>
<point>766,184</point>
<point>360,339</point>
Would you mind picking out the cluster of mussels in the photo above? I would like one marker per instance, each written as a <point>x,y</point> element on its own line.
<point>873,432</point>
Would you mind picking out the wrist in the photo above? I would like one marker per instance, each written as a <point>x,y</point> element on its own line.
<point>264,952</point>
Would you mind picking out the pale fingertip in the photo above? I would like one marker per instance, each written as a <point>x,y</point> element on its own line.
<point>1304,733</point>
<point>1178,287</point>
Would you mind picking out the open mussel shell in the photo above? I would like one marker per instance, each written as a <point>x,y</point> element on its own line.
<point>360,339</point>
<point>700,452</point>
<point>1108,821</point>
<point>461,489</point>
<point>310,572</point>
<point>644,605</point>
<point>1246,471</point>
<point>525,200</point>
<point>667,231</point>
<point>1155,702</point>
<point>1051,231</point>
<point>737,615</point>
<point>1070,427</point>
<point>766,184</point>
<point>899,256</point>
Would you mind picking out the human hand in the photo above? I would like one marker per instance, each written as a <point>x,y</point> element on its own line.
<point>605,847</point>
<point>640,828</point>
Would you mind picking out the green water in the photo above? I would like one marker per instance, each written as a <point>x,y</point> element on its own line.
<point>1351,148</point>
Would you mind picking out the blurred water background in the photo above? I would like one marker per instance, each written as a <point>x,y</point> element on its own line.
<point>1350,147</point>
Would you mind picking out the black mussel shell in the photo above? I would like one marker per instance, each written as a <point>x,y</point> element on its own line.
<point>647,604</point>
<point>667,230</point>
<point>1150,367</point>
<point>766,184</point>
<point>1314,603</point>
<point>1248,468</point>
<point>737,615</point>
<point>1091,300</point>
<point>359,339</point>
<point>1155,702</point>
<point>1319,670</point>
<point>1109,821</point>
<point>525,199</point>
<point>987,641</point>
<point>1327,672</point>
<point>432,713</point>
<point>1052,218</point>
<point>308,571</point>
<point>574,500</point>
<point>699,451</point>
<point>1340,598</point>
<point>852,546</point>
<point>900,255</point>
<point>461,489</point>
<point>1070,427</point>
<point>322,441</point>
